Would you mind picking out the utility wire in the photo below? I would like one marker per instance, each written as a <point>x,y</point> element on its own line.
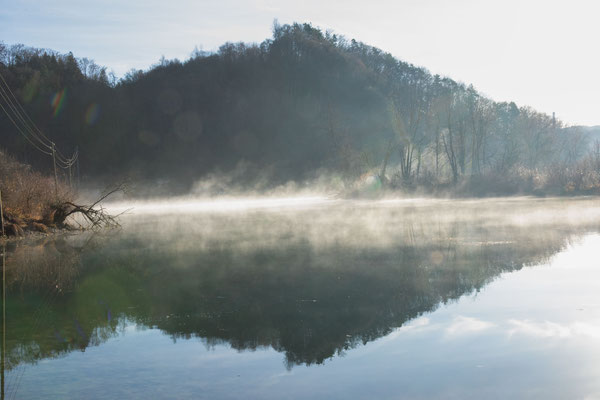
<point>19,117</point>
<point>63,161</point>
<point>16,118</point>
<point>70,160</point>
<point>50,146</point>
<point>22,109</point>
<point>21,132</point>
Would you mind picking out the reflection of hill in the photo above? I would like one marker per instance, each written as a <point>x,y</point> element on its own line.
<point>307,297</point>
<point>311,305</point>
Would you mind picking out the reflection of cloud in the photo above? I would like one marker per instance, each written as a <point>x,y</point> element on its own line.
<point>416,325</point>
<point>467,325</point>
<point>549,329</point>
<point>277,378</point>
<point>462,325</point>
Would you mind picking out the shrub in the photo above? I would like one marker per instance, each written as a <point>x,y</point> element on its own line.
<point>27,193</point>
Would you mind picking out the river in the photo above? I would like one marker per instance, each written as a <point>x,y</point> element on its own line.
<point>310,297</point>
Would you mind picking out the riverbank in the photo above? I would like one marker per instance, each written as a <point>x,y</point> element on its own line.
<point>15,226</point>
<point>30,201</point>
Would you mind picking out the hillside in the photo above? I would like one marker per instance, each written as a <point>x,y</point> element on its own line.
<point>301,104</point>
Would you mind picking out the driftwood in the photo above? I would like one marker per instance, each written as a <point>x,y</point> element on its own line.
<point>95,215</point>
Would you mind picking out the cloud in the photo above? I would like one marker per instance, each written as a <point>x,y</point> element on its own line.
<point>416,325</point>
<point>467,325</point>
<point>547,329</point>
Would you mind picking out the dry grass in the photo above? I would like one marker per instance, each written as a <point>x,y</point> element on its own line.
<point>27,194</point>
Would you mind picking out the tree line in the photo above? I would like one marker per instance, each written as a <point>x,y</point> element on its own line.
<point>300,104</point>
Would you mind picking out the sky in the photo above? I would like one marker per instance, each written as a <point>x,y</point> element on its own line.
<point>543,54</point>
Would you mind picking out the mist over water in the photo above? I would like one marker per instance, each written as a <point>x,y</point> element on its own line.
<point>326,220</point>
<point>187,205</point>
<point>365,293</point>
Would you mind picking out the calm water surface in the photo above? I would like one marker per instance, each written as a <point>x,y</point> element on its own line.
<point>311,298</point>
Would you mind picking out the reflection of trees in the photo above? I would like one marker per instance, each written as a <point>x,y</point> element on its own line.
<point>37,273</point>
<point>43,263</point>
<point>308,301</point>
<point>45,315</point>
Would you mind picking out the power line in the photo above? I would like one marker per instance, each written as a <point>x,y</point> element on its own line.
<point>21,132</point>
<point>67,161</point>
<point>22,109</point>
<point>20,118</point>
<point>62,158</point>
<point>15,119</point>
<point>63,161</point>
<point>58,159</point>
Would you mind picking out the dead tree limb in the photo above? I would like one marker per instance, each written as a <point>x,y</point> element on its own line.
<point>95,215</point>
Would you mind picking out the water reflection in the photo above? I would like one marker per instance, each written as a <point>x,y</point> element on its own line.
<point>310,283</point>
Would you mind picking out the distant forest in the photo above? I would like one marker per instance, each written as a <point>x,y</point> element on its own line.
<point>303,104</point>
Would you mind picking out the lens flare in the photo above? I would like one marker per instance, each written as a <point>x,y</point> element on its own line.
<point>31,88</point>
<point>58,102</point>
<point>370,182</point>
<point>92,113</point>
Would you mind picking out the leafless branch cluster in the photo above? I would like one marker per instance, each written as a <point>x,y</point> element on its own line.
<point>95,215</point>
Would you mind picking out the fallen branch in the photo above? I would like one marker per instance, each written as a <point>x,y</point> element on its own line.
<point>94,214</point>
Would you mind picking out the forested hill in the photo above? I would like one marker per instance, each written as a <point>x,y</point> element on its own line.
<point>297,105</point>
